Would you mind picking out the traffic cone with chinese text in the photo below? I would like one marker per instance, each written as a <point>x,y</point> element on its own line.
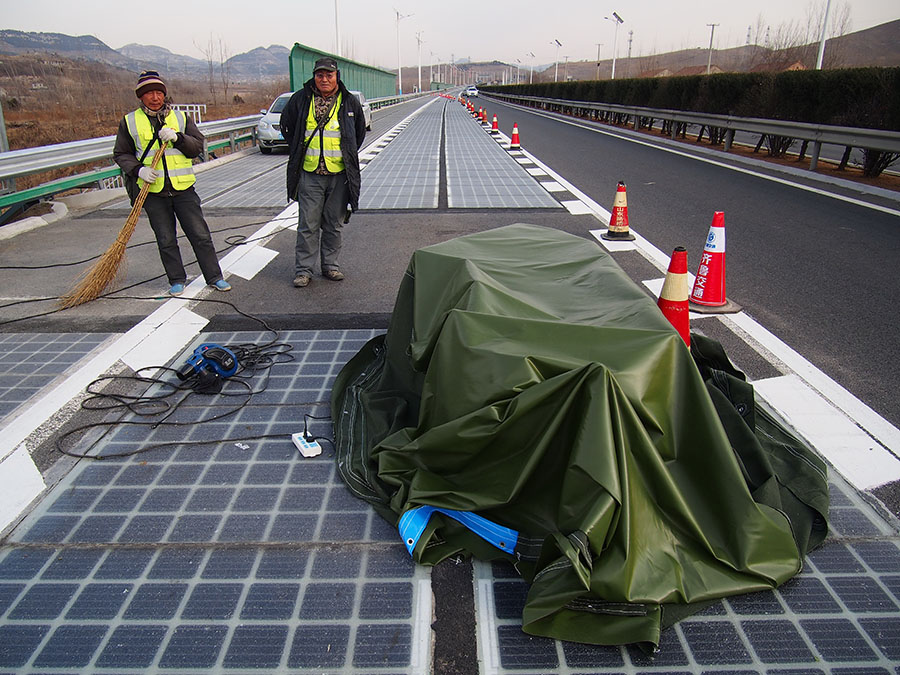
<point>514,141</point>
<point>495,128</point>
<point>618,222</point>
<point>673,298</point>
<point>708,295</point>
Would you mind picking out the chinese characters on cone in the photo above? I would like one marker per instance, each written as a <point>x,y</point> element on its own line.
<point>708,295</point>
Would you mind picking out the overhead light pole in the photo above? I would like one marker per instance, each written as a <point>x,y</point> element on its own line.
<point>821,54</point>
<point>337,30</point>
<point>399,69</point>
<point>531,77</point>
<point>556,71</point>
<point>518,68</point>
<point>616,19</point>
<point>599,44</point>
<point>419,40</point>
<point>712,31</point>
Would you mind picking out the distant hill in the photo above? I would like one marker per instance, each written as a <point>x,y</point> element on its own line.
<point>876,46</point>
<point>258,64</point>
<point>262,62</point>
<point>85,47</point>
<point>173,65</point>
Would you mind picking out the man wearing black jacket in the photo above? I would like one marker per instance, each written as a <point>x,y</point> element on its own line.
<point>171,193</point>
<point>324,125</point>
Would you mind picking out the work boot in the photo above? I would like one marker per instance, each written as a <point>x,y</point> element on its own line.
<point>333,275</point>
<point>301,280</point>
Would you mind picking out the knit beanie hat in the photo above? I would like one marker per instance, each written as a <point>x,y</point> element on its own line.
<point>149,80</point>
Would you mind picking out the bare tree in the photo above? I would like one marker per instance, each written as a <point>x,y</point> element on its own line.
<point>224,66</point>
<point>209,53</point>
<point>797,41</point>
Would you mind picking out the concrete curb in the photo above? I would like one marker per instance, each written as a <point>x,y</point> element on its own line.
<point>11,230</point>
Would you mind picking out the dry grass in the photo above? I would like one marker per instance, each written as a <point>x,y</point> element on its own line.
<point>57,101</point>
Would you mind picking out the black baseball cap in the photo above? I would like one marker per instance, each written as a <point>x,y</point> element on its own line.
<point>325,63</point>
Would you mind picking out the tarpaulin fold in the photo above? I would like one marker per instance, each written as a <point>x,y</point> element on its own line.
<point>525,378</point>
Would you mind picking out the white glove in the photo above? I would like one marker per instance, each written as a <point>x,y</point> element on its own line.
<point>148,175</point>
<point>168,134</point>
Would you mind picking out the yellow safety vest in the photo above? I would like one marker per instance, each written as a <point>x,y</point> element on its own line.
<point>331,135</point>
<point>179,167</point>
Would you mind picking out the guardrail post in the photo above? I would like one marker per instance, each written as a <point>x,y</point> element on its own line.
<point>729,139</point>
<point>231,141</point>
<point>814,155</point>
<point>204,154</point>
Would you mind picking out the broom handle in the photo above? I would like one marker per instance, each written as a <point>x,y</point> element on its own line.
<point>145,188</point>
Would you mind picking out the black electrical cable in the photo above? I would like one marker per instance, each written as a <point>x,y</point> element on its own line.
<point>242,240</point>
<point>252,359</point>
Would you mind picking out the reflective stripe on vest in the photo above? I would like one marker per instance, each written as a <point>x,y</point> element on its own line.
<point>179,167</point>
<point>331,136</point>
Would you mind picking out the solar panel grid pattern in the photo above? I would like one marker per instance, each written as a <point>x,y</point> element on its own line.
<point>215,557</point>
<point>405,174</point>
<point>481,174</point>
<point>840,615</point>
<point>30,362</point>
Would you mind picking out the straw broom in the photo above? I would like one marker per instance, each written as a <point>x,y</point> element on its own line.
<point>106,268</point>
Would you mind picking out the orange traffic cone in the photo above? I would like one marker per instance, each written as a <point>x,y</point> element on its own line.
<point>483,116</point>
<point>673,299</point>
<point>618,223</point>
<point>514,142</point>
<point>708,295</point>
<point>495,128</point>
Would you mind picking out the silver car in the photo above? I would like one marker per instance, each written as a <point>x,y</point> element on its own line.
<point>367,109</point>
<point>268,130</point>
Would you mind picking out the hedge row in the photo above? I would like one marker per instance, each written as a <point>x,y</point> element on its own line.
<point>853,97</point>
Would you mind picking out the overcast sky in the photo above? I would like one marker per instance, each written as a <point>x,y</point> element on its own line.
<point>505,30</point>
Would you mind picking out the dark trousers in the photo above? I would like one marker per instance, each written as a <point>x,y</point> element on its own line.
<point>323,205</point>
<point>162,209</point>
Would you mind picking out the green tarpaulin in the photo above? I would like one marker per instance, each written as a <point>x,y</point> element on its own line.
<point>526,379</point>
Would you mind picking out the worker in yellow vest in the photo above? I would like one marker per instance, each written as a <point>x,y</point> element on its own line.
<point>171,194</point>
<point>324,126</point>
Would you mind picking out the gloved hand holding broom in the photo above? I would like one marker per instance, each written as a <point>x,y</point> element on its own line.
<point>105,269</point>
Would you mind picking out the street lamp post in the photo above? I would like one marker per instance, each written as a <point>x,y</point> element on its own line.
<point>419,40</point>
<point>556,71</point>
<point>599,44</point>
<point>531,77</point>
<point>518,68</point>
<point>616,19</point>
<point>399,69</point>
<point>337,31</point>
<point>712,31</point>
<point>821,55</point>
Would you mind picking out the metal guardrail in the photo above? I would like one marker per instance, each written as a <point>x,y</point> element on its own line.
<point>23,162</point>
<point>17,163</point>
<point>817,134</point>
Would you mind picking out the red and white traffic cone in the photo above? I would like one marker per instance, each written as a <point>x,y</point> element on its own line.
<point>514,141</point>
<point>708,295</point>
<point>618,222</point>
<point>673,298</point>
<point>495,127</point>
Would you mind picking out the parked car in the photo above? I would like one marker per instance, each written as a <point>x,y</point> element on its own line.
<point>268,130</point>
<point>367,109</point>
<point>472,92</point>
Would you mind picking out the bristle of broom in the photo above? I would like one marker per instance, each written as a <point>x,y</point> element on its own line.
<point>106,268</point>
<point>102,273</point>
